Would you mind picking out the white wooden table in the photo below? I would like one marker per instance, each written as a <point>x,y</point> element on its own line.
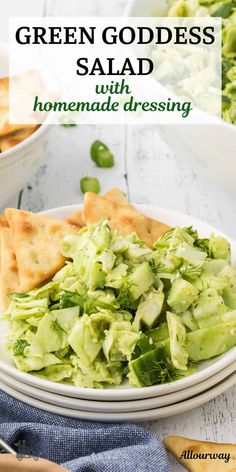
<point>149,172</point>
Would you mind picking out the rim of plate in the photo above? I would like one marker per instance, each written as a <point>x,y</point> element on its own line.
<point>146,415</point>
<point>122,393</point>
<point>118,407</point>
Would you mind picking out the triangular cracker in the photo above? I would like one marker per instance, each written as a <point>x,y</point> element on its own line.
<point>77,219</point>
<point>13,139</point>
<point>37,244</point>
<point>5,127</point>
<point>124,218</point>
<point>115,195</point>
<point>3,222</point>
<point>202,456</point>
<point>9,278</point>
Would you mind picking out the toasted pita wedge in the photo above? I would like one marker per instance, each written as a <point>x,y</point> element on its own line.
<point>216,457</point>
<point>3,222</point>
<point>15,138</point>
<point>36,240</point>
<point>4,92</point>
<point>9,278</point>
<point>24,88</point>
<point>77,219</point>
<point>124,218</point>
<point>5,127</point>
<point>115,195</point>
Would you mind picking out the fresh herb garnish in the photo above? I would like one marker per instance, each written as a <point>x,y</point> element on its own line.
<point>202,244</point>
<point>163,241</point>
<point>69,299</point>
<point>156,268</point>
<point>192,232</point>
<point>87,304</point>
<point>55,325</point>
<point>19,347</point>
<point>190,272</point>
<point>164,372</point>
<point>125,299</point>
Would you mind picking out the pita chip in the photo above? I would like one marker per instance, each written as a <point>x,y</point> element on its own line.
<point>123,218</point>
<point>3,222</point>
<point>114,195</point>
<point>202,456</point>
<point>5,127</point>
<point>77,219</point>
<point>37,244</point>
<point>13,139</point>
<point>9,278</point>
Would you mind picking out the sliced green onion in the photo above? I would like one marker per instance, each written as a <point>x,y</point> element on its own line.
<point>101,154</point>
<point>66,121</point>
<point>89,184</point>
<point>105,159</point>
<point>95,148</point>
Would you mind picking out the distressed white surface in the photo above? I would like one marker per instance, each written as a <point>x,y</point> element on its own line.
<point>150,173</point>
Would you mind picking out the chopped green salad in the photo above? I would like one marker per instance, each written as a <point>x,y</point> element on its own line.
<point>120,309</point>
<point>226,9</point>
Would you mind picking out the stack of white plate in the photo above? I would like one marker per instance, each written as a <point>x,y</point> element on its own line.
<point>123,403</point>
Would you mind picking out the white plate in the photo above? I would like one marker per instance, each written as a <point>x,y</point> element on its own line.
<point>145,415</point>
<point>121,406</point>
<point>205,369</point>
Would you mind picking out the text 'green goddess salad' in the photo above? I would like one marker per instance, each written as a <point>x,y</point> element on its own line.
<point>120,309</point>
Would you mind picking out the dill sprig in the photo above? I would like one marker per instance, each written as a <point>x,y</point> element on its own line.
<point>19,347</point>
<point>190,272</point>
<point>125,298</point>
<point>165,372</point>
<point>55,325</point>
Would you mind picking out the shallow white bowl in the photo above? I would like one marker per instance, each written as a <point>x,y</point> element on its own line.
<point>19,163</point>
<point>214,146</point>
<point>143,415</point>
<point>205,369</point>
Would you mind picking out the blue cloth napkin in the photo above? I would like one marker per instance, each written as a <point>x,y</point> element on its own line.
<point>80,446</point>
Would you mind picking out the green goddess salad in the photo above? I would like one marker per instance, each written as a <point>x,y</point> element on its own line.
<point>119,309</point>
<point>226,9</point>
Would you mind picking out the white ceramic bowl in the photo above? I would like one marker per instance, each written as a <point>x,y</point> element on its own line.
<point>214,146</point>
<point>205,370</point>
<point>19,163</point>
